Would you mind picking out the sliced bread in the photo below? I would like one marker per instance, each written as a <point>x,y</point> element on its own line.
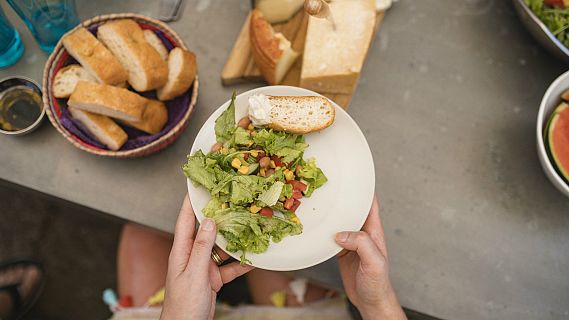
<point>66,79</point>
<point>294,114</point>
<point>271,51</point>
<point>101,128</point>
<point>156,43</point>
<point>107,100</point>
<point>153,120</point>
<point>181,74</point>
<point>94,57</point>
<point>146,70</point>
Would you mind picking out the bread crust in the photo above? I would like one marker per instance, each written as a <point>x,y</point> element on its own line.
<point>153,120</point>
<point>264,46</point>
<point>125,38</point>
<point>179,79</point>
<point>101,128</point>
<point>67,77</point>
<point>94,57</point>
<point>108,100</point>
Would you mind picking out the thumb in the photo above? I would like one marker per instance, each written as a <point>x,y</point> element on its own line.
<point>362,244</point>
<point>200,258</point>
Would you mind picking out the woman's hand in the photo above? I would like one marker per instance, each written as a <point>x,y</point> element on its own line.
<point>193,278</point>
<point>364,269</point>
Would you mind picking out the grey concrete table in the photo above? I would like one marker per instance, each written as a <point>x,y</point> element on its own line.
<point>448,102</point>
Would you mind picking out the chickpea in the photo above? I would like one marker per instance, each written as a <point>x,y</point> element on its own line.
<point>216,147</point>
<point>269,172</point>
<point>265,162</point>
<point>244,122</point>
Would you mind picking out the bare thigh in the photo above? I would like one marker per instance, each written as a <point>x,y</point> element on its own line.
<point>142,262</point>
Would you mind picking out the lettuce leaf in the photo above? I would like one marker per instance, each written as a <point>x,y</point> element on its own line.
<point>198,172</point>
<point>272,195</point>
<point>241,137</point>
<point>225,124</point>
<point>313,175</point>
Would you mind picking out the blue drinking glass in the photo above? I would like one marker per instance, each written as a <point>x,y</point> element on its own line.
<point>48,20</point>
<point>11,47</point>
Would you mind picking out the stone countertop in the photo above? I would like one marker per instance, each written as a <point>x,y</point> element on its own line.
<point>448,101</point>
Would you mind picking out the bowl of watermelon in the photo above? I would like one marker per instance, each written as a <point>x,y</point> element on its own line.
<point>553,133</point>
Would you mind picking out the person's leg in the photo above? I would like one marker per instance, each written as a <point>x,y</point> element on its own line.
<point>263,283</point>
<point>142,262</point>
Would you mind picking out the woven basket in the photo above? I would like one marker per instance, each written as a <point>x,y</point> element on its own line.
<point>52,106</point>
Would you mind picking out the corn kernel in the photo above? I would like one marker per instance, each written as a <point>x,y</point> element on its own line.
<point>282,199</point>
<point>224,150</point>
<point>288,175</point>
<point>254,208</point>
<point>236,163</point>
<point>254,153</point>
<point>295,220</point>
<point>250,144</point>
<point>250,126</point>
<point>224,205</point>
<point>262,172</point>
<point>273,165</point>
<point>243,170</point>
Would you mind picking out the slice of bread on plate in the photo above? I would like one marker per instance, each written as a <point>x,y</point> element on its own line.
<point>271,51</point>
<point>101,128</point>
<point>107,100</point>
<point>94,57</point>
<point>146,69</point>
<point>181,74</point>
<point>153,120</point>
<point>66,79</point>
<point>156,43</point>
<point>294,114</point>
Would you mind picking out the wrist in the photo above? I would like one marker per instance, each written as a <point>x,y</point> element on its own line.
<point>387,308</point>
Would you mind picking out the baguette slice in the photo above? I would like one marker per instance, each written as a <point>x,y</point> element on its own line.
<point>66,79</point>
<point>181,74</point>
<point>271,51</point>
<point>101,128</point>
<point>94,57</point>
<point>146,70</point>
<point>156,43</point>
<point>107,100</point>
<point>153,120</point>
<point>294,114</point>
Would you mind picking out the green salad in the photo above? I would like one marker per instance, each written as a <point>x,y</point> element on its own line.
<point>256,178</point>
<point>555,15</point>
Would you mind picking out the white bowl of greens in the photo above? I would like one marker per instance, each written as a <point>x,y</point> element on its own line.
<point>337,173</point>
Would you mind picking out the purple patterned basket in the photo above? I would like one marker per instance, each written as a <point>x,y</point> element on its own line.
<point>138,143</point>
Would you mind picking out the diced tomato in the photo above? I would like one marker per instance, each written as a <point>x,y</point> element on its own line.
<point>288,203</point>
<point>278,161</point>
<point>556,3</point>
<point>297,185</point>
<point>267,212</point>
<point>296,194</point>
<point>260,155</point>
<point>295,205</point>
<point>126,301</point>
<point>245,156</point>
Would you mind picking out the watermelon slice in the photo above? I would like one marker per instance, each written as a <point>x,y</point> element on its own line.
<point>557,137</point>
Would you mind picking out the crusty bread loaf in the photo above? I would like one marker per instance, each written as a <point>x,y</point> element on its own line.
<point>106,100</point>
<point>271,51</point>
<point>125,39</point>
<point>94,57</point>
<point>300,114</point>
<point>66,79</point>
<point>156,43</point>
<point>101,128</point>
<point>181,74</point>
<point>153,120</point>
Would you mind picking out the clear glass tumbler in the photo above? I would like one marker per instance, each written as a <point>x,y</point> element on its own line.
<point>11,47</point>
<point>48,20</point>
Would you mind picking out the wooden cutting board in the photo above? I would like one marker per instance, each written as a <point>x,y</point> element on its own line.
<point>240,65</point>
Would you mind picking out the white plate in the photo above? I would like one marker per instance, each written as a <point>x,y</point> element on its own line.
<point>342,204</point>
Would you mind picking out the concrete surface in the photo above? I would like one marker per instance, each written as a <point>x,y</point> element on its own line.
<point>448,101</point>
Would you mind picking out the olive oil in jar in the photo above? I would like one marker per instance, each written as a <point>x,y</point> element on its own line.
<point>20,107</point>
